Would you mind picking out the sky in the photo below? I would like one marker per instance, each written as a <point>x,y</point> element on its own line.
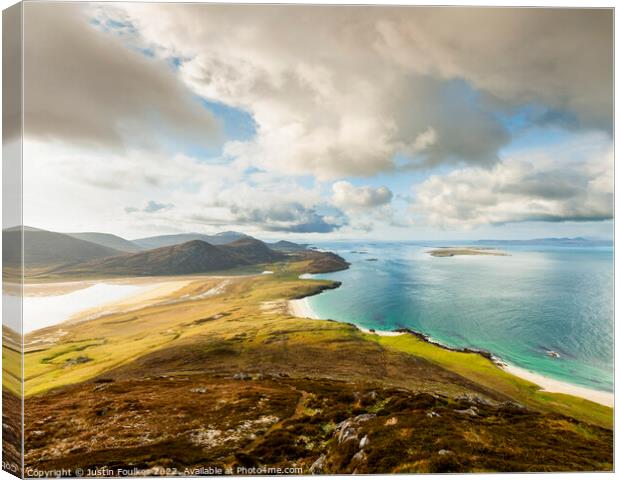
<point>318,122</point>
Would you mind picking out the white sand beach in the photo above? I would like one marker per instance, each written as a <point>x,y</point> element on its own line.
<point>301,308</point>
<point>556,386</point>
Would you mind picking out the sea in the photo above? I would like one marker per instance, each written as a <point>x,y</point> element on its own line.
<point>539,299</point>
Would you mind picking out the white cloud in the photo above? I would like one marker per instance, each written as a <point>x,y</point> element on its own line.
<point>96,191</point>
<point>571,182</point>
<point>339,91</point>
<point>349,197</point>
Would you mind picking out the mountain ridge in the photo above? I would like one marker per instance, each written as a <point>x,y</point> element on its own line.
<point>192,257</point>
<point>42,247</point>
<point>107,240</point>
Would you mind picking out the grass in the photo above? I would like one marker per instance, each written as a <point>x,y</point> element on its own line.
<point>11,370</point>
<point>247,327</point>
<point>484,372</point>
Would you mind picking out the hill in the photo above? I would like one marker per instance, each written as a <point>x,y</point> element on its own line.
<point>42,248</point>
<point>253,251</point>
<point>107,240</point>
<point>195,256</point>
<point>190,257</point>
<point>285,246</point>
<point>176,239</point>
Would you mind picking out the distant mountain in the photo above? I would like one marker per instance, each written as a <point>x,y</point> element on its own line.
<point>42,248</point>
<point>176,239</point>
<point>253,250</point>
<point>285,246</point>
<point>195,256</point>
<point>107,240</point>
<point>561,241</point>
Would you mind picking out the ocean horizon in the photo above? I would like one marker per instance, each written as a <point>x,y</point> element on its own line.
<point>546,307</point>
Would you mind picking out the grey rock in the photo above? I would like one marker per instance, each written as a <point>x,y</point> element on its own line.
<point>199,390</point>
<point>471,411</point>
<point>357,459</point>
<point>318,465</point>
<point>364,417</point>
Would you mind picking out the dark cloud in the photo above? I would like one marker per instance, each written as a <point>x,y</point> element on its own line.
<point>84,86</point>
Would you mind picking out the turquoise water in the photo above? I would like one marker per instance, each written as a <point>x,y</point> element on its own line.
<point>518,307</point>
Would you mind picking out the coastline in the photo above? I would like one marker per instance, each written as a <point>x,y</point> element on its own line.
<point>301,308</point>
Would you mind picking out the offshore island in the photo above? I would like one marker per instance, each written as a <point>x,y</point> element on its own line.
<point>211,364</point>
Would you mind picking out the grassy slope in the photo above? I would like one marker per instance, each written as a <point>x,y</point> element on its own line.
<point>248,327</point>
<point>484,372</point>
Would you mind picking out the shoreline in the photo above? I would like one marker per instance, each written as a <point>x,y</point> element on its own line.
<point>301,308</point>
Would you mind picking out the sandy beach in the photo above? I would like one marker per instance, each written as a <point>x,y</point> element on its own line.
<point>551,385</point>
<point>301,308</point>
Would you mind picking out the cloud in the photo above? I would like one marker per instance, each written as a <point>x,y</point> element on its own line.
<point>282,207</point>
<point>537,185</point>
<point>151,207</point>
<point>358,90</point>
<point>86,87</point>
<point>291,217</point>
<point>516,55</point>
<point>348,197</point>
